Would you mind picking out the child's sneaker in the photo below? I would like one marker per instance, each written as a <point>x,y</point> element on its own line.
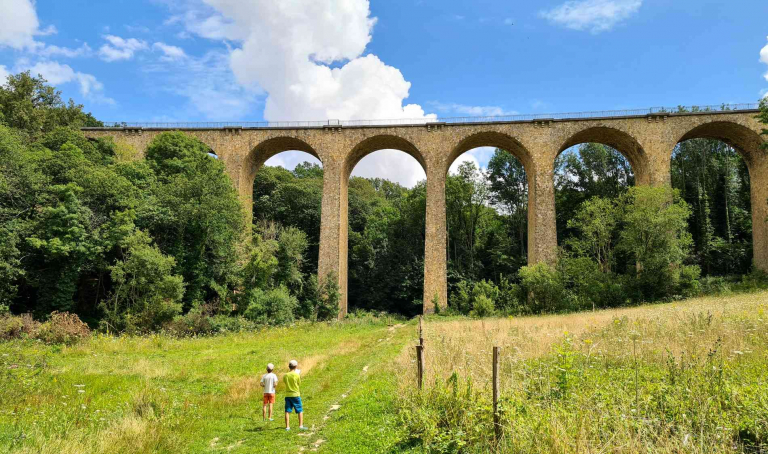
<point>271,419</point>
<point>302,428</point>
<point>287,429</point>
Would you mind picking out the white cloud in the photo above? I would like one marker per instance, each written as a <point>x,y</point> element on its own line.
<point>169,52</point>
<point>593,15</point>
<point>54,51</point>
<point>56,74</point>
<point>290,159</point>
<point>474,111</point>
<point>287,48</point>
<point>120,48</point>
<point>764,57</point>
<point>3,75</point>
<point>18,23</point>
<point>480,156</point>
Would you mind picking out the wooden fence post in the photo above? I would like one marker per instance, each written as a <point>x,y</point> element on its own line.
<point>421,331</point>
<point>420,365</point>
<point>496,423</point>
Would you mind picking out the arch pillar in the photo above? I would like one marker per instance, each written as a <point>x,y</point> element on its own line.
<point>542,227</point>
<point>333,228</point>
<point>758,174</point>
<point>435,242</point>
<point>658,172</point>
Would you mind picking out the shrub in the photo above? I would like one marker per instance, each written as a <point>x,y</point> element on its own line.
<point>146,294</point>
<point>545,287</point>
<point>270,307</point>
<point>195,322</point>
<point>320,302</point>
<point>476,299</point>
<point>10,327</point>
<point>63,328</point>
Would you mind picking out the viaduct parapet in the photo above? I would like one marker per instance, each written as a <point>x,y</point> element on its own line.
<point>646,140</point>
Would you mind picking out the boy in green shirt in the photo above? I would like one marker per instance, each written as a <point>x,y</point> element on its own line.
<point>292,380</point>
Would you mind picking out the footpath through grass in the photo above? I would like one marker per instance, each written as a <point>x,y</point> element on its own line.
<point>162,395</point>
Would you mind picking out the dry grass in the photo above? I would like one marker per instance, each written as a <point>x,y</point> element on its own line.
<point>464,346</point>
<point>681,377</point>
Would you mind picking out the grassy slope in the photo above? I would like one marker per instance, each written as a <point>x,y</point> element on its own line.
<point>197,395</point>
<point>157,394</point>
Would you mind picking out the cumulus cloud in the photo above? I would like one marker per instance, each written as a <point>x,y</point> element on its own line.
<point>309,57</point>
<point>18,23</point>
<point>120,48</point>
<point>57,74</point>
<point>593,15</point>
<point>764,57</point>
<point>169,52</point>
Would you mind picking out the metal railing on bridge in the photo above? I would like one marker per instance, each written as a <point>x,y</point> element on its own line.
<point>435,119</point>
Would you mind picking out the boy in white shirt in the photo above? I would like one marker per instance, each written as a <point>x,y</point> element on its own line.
<point>268,381</point>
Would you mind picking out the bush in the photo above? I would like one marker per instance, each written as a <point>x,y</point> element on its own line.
<point>545,287</point>
<point>320,302</point>
<point>63,328</point>
<point>195,322</point>
<point>270,307</point>
<point>475,299</point>
<point>147,295</point>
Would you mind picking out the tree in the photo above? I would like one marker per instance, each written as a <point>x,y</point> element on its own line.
<point>31,106</point>
<point>508,186</point>
<point>592,170</point>
<point>197,219</point>
<point>654,233</point>
<point>595,223</point>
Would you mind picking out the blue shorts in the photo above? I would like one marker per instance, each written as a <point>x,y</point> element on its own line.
<point>293,403</point>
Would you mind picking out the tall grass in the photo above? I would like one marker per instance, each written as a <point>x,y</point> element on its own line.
<point>684,377</point>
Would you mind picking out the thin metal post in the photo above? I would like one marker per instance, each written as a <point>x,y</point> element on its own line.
<point>496,422</point>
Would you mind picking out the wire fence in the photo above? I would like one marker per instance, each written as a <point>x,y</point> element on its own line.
<point>679,110</point>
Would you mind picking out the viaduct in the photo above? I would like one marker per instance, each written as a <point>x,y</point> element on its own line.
<point>646,137</point>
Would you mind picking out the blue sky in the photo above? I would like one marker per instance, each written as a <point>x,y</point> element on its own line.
<point>198,60</point>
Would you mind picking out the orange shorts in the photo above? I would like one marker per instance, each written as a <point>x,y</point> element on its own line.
<point>269,399</point>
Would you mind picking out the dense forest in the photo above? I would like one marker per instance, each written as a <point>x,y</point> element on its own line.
<point>140,243</point>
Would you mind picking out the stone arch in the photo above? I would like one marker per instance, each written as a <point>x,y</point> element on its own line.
<point>513,146</point>
<point>493,139</point>
<point>745,140</point>
<point>356,154</point>
<point>381,142</point>
<point>268,148</point>
<point>617,139</point>
<point>748,143</point>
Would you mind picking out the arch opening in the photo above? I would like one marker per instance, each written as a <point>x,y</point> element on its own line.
<point>596,162</point>
<point>712,167</point>
<point>385,220</point>
<point>487,215</point>
<point>287,189</point>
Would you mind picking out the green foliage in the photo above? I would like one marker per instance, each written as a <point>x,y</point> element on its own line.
<point>34,108</point>
<point>595,222</point>
<point>545,286</point>
<point>269,307</point>
<point>591,170</point>
<point>147,294</point>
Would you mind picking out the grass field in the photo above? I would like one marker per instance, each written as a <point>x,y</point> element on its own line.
<point>683,377</point>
